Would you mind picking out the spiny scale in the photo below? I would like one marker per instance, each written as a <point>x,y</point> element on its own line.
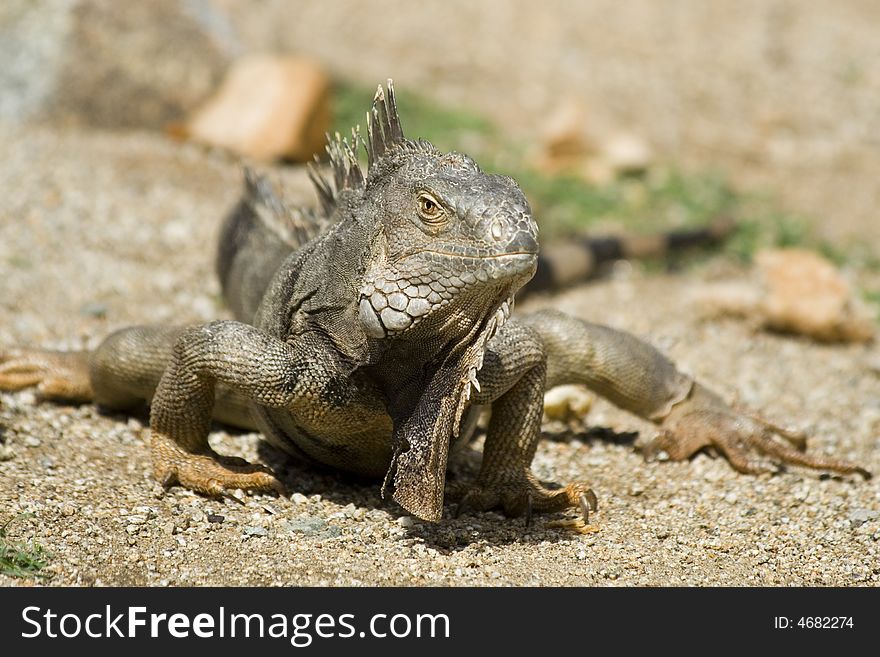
<point>347,172</point>
<point>470,381</point>
<point>292,224</point>
<point>384,132</point>
<point>384,135</point>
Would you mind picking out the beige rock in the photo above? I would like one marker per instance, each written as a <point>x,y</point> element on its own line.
<point>564,140</point>
<point>806,294</point>
<point>268,107</point>
<point>627,154</point>
<point>794,291</point>
<point>597,171</point>
<point>571,144</point>
<point>110,64</point>
<point>568,403</point>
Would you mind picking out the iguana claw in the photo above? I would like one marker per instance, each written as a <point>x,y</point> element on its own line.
<point>57,375</point>
<point>522,498</point>
<point>751,444</point>
<point>208,473</point>
<point>588,503</point>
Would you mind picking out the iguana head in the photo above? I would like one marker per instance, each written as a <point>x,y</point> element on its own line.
<point>454,242</point>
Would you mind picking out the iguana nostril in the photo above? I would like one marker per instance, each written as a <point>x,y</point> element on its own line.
<point>523,242</point>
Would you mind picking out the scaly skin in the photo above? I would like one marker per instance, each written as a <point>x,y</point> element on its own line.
<point>368,331</point>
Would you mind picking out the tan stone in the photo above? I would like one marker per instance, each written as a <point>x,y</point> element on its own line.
<point>568,403</point>
<point>571,144</point>
<point>794,291</point>
<point>564,139</point>
<point>626,153</point>
<point>268,107</point>
<point>804,293</point>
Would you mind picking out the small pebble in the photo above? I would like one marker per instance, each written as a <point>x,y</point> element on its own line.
<point>636,489</point>
<point>310,526</point>
<point>96,310</point>
<point>861,516</point>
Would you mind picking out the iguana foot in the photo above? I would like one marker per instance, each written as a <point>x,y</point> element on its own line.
<point>207,472</point>
<point>58,375</point>
<point>522,497</point>
<point>751,444</point>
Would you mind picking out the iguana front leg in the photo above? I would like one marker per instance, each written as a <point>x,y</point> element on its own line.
<point>638,378</point>
<point>549,348</point>
<point>512,380</point>
<point>254,365</point>
<point>120,375</point>
<point>209,371</point>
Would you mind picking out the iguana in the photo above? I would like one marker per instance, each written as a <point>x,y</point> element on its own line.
<point>370,331</point>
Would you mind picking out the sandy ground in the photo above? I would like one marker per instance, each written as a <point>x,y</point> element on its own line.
<point>102,230</point>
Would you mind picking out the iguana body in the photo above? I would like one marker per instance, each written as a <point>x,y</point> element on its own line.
<point>369,332</point>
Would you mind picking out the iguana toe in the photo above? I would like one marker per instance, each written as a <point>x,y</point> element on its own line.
<point>522,496</point>
<point>57,375</point>
<point>208,473</point>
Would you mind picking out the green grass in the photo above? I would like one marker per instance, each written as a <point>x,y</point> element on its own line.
<point>872,296</point>
<point>661,200</point>
<point>20,559</point>
<point>445,127</point>
<point>664,199</point>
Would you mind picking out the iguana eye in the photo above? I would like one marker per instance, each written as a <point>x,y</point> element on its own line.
<point>430,209</point>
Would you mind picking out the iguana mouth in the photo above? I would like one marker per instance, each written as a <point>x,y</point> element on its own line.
<point>468,256</point>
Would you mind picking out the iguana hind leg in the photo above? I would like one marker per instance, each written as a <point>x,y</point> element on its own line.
<point>638,378</point>
<point>120,375</point>
<point>751,444</point>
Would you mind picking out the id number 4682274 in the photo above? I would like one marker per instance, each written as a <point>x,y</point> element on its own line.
<point>813,623</point>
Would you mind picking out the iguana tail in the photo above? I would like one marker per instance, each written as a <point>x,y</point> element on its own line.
<point>566,263</point>
<point>256,237</point>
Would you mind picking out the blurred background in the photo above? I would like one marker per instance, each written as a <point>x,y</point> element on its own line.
<point>779,95</point>
<point>637,116</point>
